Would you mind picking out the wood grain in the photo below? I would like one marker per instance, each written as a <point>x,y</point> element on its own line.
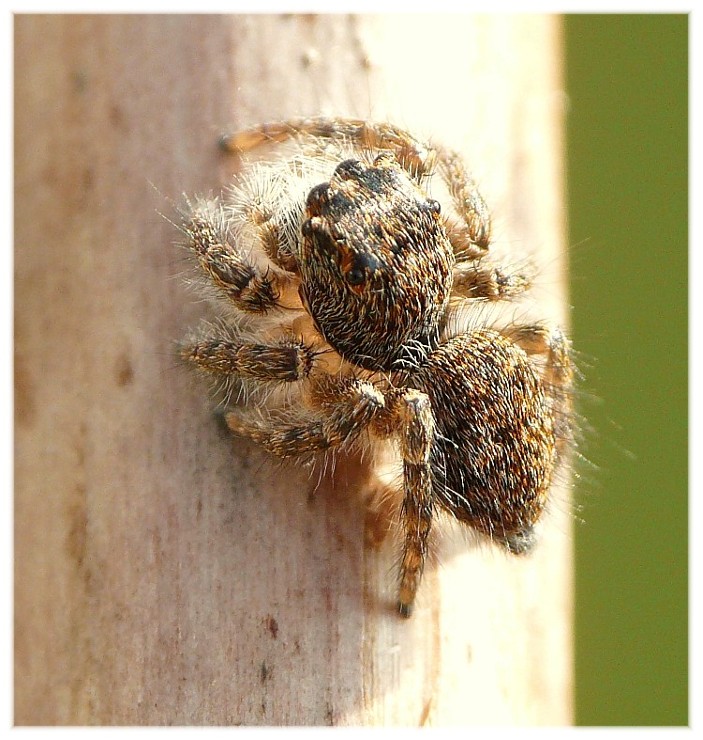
<point>166,573</point>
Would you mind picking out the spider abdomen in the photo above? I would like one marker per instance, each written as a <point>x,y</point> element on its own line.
<point>495,446</point>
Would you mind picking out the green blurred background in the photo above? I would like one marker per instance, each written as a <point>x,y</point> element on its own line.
<point>627,159</point>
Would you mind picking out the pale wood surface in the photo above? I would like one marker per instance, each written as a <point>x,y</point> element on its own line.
<point>164,573</point>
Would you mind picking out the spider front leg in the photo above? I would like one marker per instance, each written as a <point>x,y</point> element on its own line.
<point>471,234</point>
<point>414,156</point>
<point>247,285</point>
<point>287,359</point>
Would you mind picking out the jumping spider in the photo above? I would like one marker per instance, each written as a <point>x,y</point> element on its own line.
<point>346,283</point>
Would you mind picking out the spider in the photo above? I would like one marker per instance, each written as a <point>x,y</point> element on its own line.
<point>345,284</point>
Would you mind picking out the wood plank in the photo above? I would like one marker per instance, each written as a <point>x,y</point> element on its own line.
<point>166,573</point>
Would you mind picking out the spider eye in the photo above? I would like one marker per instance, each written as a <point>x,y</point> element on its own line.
<point>355,276</point>
<point>434,206</point>
<point>315,229</point>
<point>359,268</point>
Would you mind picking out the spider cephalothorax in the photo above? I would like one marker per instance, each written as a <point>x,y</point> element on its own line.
<point>376,264</point>
<point>370,269</point>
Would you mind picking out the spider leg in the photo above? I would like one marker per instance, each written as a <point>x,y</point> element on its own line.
<point>249,286</point>
<point>409,413</point>
<point>470,234</point>
<point>488,282</point>
<point>412,154</point>
<point>347,408</point>
<point>269,231</point>
<point>552,344</point>
<point>416,443</point>
<point>288,359</point>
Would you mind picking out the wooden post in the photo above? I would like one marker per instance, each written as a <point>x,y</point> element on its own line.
<point>166,573</point>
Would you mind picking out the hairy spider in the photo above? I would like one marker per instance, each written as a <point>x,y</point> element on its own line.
<point>348,284</point>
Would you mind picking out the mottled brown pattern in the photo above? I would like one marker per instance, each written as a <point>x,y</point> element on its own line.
<point>375,254</point>
<point>383,273</point>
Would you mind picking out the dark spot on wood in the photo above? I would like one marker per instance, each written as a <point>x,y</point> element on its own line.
<point>76,540</point>
<point>124,373</point>
<point>25,404</point>
<point>117,117</point>
<point>264,673</point>
<point>77,526</point>
<point>79,81</point>
<point>272,626</point>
